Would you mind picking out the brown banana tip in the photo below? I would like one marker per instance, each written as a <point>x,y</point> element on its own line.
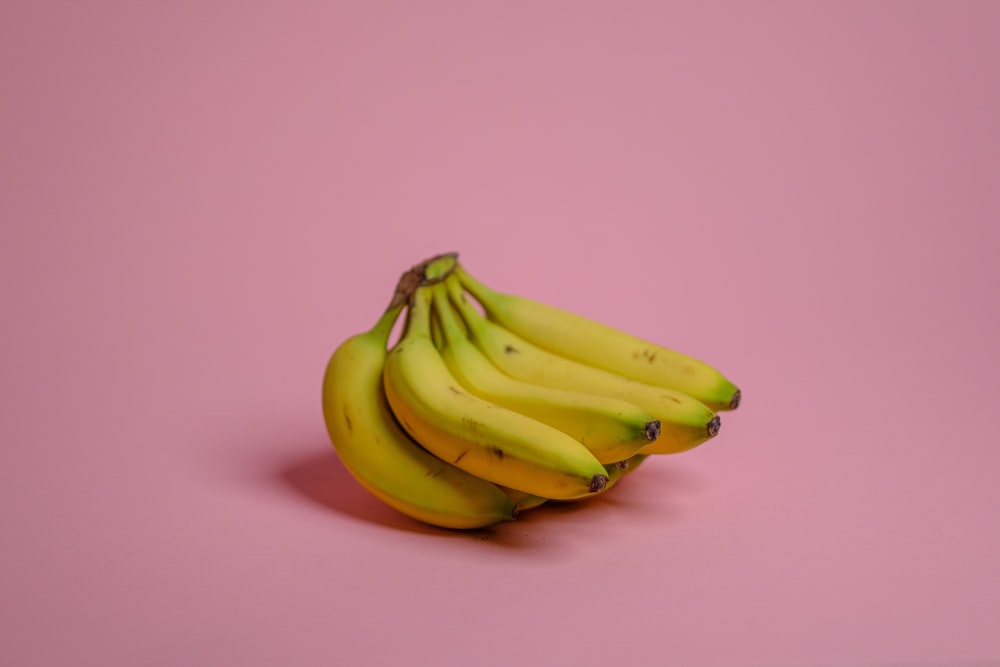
<point>621,465</point>
<point>714,425</point>
<point>734,402</point>
<point>653,430</point>
<point>598,482</point>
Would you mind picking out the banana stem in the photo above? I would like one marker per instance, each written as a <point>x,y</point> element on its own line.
<point>436,334</point>
<point>465,309</point>
<point>430,271</point>
<point>446,316</point>
<point>438,268</point>
<point>405,287</point>
<point>383,328</point>
<point>419,322</point>
<point>482,293</point>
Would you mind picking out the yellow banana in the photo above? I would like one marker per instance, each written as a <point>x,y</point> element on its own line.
<point>384,459</point>
<point>610,428</point>
<point>525,501</point>
<point>596,344</point>
<point>685,422</point>
<point>622,468</point>
<point>476,435</point>
<point>616,471</point>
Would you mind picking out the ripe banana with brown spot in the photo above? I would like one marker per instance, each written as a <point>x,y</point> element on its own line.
<point>616,471</point>
<point>685,422</point>
<point>596,344</point>
<point>384,459</point>
<point>478,436</point>
<point>612,429</point>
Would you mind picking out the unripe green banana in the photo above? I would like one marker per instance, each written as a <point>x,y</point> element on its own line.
<point>685,422</point>
<point>596,344</point>
<point>476,435</point>
<point>384,459</point>
<point>610,428</point>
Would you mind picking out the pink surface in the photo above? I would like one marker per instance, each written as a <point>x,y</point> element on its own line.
<point>200,200</point>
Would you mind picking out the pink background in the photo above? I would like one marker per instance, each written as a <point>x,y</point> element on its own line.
<point>201,199</point>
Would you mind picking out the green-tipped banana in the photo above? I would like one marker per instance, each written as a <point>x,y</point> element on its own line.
<point>685,422</point>
<point>478,436</point>
<point>384,459</point>
<point>610,428</point>
<point>596,344</point>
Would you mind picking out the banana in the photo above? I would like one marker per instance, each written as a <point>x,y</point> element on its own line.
<point>618,470</point>
<point>384,459</point>
<point>596,344</point>
<point>526,501</point>
<point>685,422</point>
<point>478,436</point>
<point>610,428</point>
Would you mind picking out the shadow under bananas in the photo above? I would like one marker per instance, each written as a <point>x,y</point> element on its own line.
<point>647,495</point>
<point>321,478</point>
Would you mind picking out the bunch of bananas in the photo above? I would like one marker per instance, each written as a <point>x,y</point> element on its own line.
<point>475,414</point>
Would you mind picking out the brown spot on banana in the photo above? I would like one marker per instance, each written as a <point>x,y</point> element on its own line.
<point>648,355</point>
<point>460,456</point>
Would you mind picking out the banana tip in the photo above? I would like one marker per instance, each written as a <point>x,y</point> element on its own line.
<point>653,430</point>
<point>713,426</point>
<point>598,482</point>
<point>734,402</point>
